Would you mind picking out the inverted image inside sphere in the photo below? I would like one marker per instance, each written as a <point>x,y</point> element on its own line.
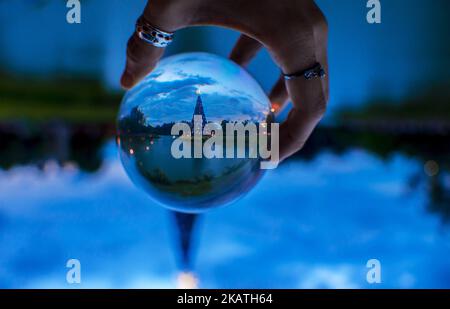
<point>195,90</point>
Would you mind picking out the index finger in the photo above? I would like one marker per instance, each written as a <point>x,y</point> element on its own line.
<point>141,60</point>
<point>142,57</point>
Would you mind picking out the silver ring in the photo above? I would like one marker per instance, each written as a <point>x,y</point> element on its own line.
<point>152,35</point>
<point>317,71</point>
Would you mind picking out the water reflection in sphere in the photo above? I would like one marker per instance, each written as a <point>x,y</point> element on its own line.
<point>182,86</point>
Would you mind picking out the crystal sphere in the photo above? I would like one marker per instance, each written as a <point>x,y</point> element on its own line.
<point>215,90</point>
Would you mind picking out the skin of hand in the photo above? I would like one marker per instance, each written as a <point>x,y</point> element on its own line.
<point>295,33</point>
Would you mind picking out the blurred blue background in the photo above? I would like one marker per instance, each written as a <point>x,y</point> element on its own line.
<point>373,181</point>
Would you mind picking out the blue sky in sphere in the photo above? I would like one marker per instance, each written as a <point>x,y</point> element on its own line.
<point>170,93</point>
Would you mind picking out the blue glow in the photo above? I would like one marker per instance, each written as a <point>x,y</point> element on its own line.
<point>309,240</point>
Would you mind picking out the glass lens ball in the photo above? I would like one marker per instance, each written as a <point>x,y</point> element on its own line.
<point>218,92</point>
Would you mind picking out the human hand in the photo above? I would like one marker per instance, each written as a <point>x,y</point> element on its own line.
<point>294,32</point>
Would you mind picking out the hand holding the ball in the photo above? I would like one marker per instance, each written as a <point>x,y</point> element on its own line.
<point>294,32</point>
